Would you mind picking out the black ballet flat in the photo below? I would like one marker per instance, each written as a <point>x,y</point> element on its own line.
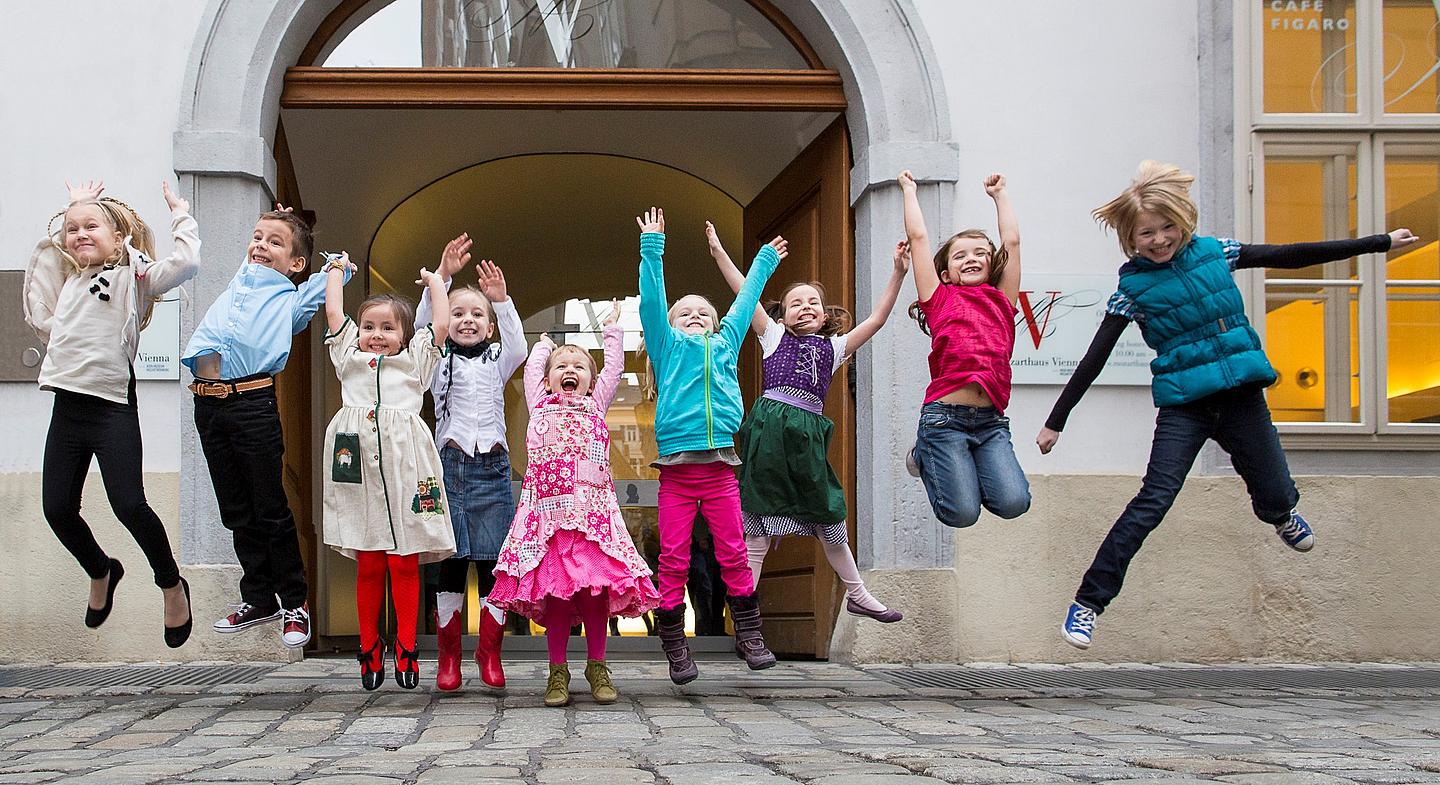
<point>372,678</point>
<point>175,637</point>
<point>94,618</point>
<point>409,677</point>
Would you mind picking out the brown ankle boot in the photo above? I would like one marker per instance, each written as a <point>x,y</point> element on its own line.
<point>749,644</point>
<point>670,624</point>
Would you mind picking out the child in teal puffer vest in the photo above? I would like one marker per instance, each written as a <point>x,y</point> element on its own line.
<point>697,413</point>
<point>1210,370</point>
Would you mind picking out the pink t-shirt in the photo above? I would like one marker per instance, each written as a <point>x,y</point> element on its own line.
<point>972,335</point>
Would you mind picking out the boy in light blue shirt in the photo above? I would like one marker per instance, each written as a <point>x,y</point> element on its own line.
<point>243,341</point>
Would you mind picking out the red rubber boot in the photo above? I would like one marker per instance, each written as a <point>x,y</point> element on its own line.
<point>447,639</point>
<point>487,654</point>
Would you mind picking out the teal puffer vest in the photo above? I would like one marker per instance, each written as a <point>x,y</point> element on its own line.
<point>1195,321</point>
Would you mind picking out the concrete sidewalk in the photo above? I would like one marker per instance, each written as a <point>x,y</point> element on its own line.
<point>815,723</point>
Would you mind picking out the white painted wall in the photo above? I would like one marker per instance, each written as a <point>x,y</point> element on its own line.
<point>91,92</point>
<point>1066,99</point>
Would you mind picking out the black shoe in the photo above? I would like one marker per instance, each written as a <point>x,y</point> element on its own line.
<point>94,618</point>
<point>407,667</point>
<point>175,637</point>
<point>372,677</point>
<point>670,624</point>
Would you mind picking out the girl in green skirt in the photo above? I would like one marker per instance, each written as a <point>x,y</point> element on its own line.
<point>787,485</point>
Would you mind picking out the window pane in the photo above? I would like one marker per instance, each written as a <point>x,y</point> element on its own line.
<point>1318,378</point>
<point>1413,359</point>
<point>1309,55</point>
<point>1412,65</point>
<point>1412,201</point>
<point>567,34</point>
<point>1310,195</point>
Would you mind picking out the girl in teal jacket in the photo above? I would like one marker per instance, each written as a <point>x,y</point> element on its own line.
<point>697,413</point>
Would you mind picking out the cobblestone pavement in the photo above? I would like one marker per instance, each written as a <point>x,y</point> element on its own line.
<point>816,723</point>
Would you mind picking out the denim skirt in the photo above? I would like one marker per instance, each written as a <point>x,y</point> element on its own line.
<point>482,503</point>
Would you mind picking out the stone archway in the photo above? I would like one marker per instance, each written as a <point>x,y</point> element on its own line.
<point>898,118</point>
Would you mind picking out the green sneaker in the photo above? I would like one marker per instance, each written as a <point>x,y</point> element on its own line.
<point>557,689</point>
<point>598,674</point>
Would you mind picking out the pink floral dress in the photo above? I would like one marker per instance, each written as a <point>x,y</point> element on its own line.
<point>568,535</point>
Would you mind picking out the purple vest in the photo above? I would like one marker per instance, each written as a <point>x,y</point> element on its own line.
<point>798,372</point>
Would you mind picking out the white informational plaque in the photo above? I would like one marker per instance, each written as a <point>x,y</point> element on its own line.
<point>159,355</point>
<point>1059,313</point>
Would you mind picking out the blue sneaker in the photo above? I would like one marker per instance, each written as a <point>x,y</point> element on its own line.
<point>1079,626</point>
<point>1296,533</point>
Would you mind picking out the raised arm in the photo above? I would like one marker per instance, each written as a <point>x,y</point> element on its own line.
<point>653,301</point>
<point>1009,235</point>
<point>335,269</point>
<point>864,331</point>
<point>507,319</point>
<point>452,260</point>
<point>184,261</point>
<point>310,296</point>
<point>926,279</point>
<point>609,379</point>
<point>440,300</point>
<point>1090,367</point>
<point>535,370</point>
<point>746,301</point>
<point>761,320</point>
<point>1293,256</point>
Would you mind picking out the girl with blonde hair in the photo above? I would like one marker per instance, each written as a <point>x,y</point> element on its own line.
<point>1209,375</point>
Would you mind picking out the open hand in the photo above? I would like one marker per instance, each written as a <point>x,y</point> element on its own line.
<point>713,239</point>
<point>280,208</point>
<point>781,246</point>
<point>652,221</point>
<point>613,317</point>
<point>175,203</point>
<point>994,184</point>
<point>1046,440</point>
<point>90,189</point>
<point>492,280</point>
<point>455,256</point>
<point>902,257</point>
<point>907,181</point>
<point>1401,238</point>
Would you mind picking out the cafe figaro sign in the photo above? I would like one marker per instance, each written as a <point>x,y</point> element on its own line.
<point>1301,15</point>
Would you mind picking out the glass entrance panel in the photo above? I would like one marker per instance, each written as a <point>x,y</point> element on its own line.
<point>693,34</point>
<point>1412,296</point>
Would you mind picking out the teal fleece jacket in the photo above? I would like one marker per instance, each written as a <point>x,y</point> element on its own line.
<point>699,406</point>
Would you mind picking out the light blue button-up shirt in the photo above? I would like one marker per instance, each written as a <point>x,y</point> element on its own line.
<point>250,324</point>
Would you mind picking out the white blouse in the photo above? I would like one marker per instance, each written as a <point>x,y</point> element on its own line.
<point>469,392</point>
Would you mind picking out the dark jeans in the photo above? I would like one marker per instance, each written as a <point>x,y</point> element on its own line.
<point>966,461</point>
<point>82,427</point>
<point>240,435</point>
<point>1239,421</point>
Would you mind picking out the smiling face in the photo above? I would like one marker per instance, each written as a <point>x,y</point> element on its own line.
<point>381,330</point>
<point>470,318</point>
<point>693,315</point>
<point>1156,237</point>
<point>273,245</point>
<point>803,309</point>
<point>570,369</point>
<point>968,261</point>
<point>89,236</point>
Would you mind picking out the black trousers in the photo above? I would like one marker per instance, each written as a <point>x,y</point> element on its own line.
<point>83,427</point>
<point>455,572</point>
<point>240,435</point>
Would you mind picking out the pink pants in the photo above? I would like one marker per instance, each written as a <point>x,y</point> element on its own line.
<point>712,490</point>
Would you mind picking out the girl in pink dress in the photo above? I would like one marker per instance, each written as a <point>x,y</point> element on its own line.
<point>568,556</point>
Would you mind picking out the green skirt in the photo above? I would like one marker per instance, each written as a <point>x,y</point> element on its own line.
<point>784,469</point>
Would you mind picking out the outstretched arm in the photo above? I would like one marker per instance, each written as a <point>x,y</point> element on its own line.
<point>452,260</point>
<point>926,279</point>
<point>535,370</point>
<point>184,261</point>
<point>335,272</point>
<point>761,320</point>
<point>1090,366</point>
<point>609,379</point>
<point>653,300</point>
<point>1293,256</point>
<point>440,299</point>
<point>1009,235</point>
<point>748,299</point>
<point>866,330</point>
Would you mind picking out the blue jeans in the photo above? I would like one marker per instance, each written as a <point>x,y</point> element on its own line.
<point>1239,421</point>
<point>482,504</point>
<point>966,461</point>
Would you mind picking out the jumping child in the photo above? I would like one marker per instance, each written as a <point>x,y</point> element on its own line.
<point>698,411</point>
<point>1210,374</point>
<point>89,291</point>
<point>385,506</point>
<point>787,486</point>
<point>568,556</point>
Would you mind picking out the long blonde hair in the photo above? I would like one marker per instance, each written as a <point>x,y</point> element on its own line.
<point>122,219</point>
<point>1158,188</point>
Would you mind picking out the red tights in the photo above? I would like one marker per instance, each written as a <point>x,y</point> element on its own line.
<point>592,609</point>
<point>370,596</point>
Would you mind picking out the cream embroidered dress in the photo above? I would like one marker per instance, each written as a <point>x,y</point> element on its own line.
<point>568,535</point>
<point>383,489</point>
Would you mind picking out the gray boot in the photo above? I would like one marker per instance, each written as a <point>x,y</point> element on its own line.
<point>670,624</point>
<point>749,644</point>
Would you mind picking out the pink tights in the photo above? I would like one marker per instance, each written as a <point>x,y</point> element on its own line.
<point>592,609</point>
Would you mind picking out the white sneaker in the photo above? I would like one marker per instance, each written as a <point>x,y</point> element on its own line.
<point>910,465</point>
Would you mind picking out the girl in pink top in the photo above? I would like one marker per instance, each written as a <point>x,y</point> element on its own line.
<point>568,556</point>
<point>967,307</point>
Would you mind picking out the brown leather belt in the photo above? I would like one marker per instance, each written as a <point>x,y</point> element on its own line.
<point>210,389</point>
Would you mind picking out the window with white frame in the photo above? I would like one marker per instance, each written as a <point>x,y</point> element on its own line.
<point>1342,139</point>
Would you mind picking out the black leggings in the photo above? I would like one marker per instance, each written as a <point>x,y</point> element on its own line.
<point>82,427</point>
<point>453,573</point>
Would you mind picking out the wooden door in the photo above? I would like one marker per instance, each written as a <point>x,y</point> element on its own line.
<point>809,204</point>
